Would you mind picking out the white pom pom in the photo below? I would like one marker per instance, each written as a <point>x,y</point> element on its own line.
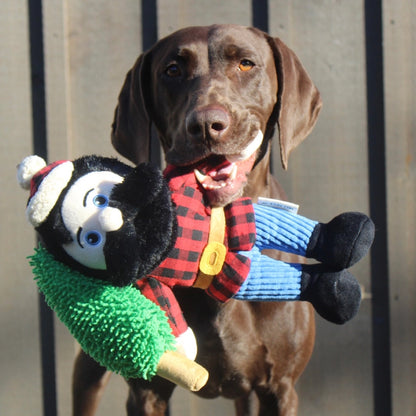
<point>27,168</point>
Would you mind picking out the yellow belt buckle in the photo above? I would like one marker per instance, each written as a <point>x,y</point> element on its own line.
<point>212,258</point>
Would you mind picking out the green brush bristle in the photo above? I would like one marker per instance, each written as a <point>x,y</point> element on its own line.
<point>118,327</point>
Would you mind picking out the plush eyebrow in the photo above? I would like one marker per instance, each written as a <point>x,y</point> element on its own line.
<point>79,237</point>
<point>84,202</point>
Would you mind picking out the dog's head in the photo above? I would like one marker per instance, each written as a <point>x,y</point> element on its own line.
<point>215,95</point>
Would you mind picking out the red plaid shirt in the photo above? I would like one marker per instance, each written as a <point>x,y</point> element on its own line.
<point>182,264</point>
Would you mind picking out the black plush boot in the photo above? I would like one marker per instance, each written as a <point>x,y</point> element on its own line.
<point>343,241</point>
<point>335,295</point>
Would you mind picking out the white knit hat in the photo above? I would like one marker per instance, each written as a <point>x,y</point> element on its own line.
<point>46,182</point>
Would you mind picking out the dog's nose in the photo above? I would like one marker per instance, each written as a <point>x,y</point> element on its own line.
<point>209,123</point>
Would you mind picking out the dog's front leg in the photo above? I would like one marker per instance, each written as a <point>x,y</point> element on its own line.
<point>149,398</point>
<point>88,384</point>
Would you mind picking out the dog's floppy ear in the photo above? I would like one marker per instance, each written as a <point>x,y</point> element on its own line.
<point>298,102</point>
<point>130,134</point>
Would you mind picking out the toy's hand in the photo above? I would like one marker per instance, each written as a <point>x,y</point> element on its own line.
<point>180,370</point>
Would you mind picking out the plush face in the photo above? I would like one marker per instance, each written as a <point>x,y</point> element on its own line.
<point>88,217</point>
<point>108,220</point>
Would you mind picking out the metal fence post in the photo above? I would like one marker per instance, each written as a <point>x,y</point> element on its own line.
<point>39,139</point>
<point>378,208</point>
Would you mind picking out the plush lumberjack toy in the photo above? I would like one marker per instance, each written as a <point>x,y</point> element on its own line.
<point>119,224</point>
<point>120,328</point>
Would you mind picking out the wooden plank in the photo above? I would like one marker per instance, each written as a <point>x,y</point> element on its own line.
<point>173,15</point>
<point>89,49</point>
<point>328,174</point>
<point>400,101</point>
<point>57,75</point>
<point>19,340</point>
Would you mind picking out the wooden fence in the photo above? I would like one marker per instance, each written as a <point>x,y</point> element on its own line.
<point>62,64</point>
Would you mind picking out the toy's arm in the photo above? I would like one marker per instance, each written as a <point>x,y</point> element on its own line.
<point>118,327</point>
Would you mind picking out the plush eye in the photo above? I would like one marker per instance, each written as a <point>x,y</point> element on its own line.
<point>93,238</point>
<point>100,201</point>
<point>245,65</point>
<point>173,71</point>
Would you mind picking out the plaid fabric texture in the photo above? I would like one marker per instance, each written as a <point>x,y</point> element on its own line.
<point>163,296</point>
<point>182,264</point>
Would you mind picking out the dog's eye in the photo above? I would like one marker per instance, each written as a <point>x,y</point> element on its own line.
<point>245,65</point>
<point>173,71</point>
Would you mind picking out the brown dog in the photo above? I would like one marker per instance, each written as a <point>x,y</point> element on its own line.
<point>216,93</point>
